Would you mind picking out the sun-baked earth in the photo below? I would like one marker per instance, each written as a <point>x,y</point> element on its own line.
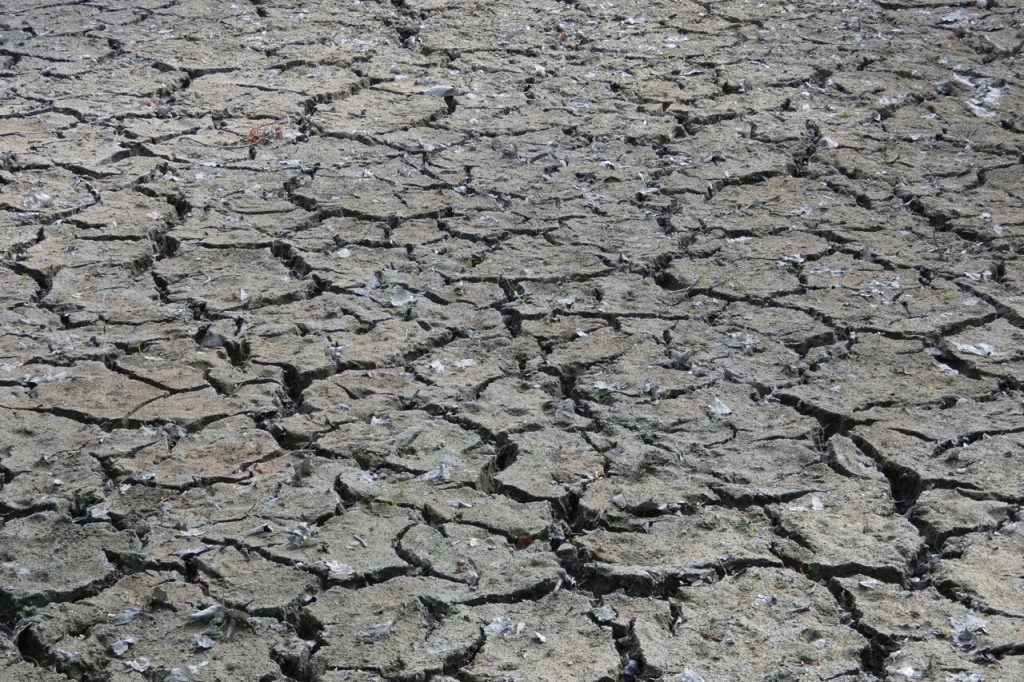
<point>524,341</point>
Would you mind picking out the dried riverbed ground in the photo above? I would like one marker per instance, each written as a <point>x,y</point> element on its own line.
<point>524,340</point>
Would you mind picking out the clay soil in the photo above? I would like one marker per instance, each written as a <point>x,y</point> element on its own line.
<point>524,341</point>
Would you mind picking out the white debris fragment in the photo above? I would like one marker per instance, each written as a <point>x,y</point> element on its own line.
<point>501,626</point>
<point>910,673</point>
<point>139,665</point>
<point>301,535</point>
<point>985,350</point>
<point>465,362</point>
<point>970,623</point>
<point>121,646</point>
<point>688,675</point>
<point>718,408</point>
<point>340,569</point>
<point>214,612</point>
<point>39,200</point>
<point>437,366</point>
<point>993,96</point>
<point>400,297</point>
<point>379,631</point>
<point>45,378</point>
<point>441,91</point>
<point>955,16</point>
<point>975,107</point>
<point>443,472</point>
<point>202,642</point>
<point>98,512</point>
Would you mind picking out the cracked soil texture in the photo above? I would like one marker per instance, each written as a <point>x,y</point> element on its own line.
<point>538,340</point>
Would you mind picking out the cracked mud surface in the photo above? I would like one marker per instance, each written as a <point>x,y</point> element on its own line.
<point>469,341</point>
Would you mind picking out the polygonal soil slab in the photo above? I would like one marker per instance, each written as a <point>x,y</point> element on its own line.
<point>356,545</point>
<point>87,391</point>
<point>680,549</point>
<point>489,564</point>
<point>405,625</point>
<point>221,451</point>
<point>549,464</point>
<point>899,615</point>
<point>762,623</point>
<point>448,502</point>
<point>47,558</point>
<point>987,571</point>
<point>431,448</point>
<point>882,371</point>
<point>548,641</point>
<point>937,660</point>
<point>261,587</point>
<point>847,525</point>
<point>157,625</point>
<point>228,279</point>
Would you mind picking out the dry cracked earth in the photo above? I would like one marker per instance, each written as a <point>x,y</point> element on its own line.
<point>530,340</point>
